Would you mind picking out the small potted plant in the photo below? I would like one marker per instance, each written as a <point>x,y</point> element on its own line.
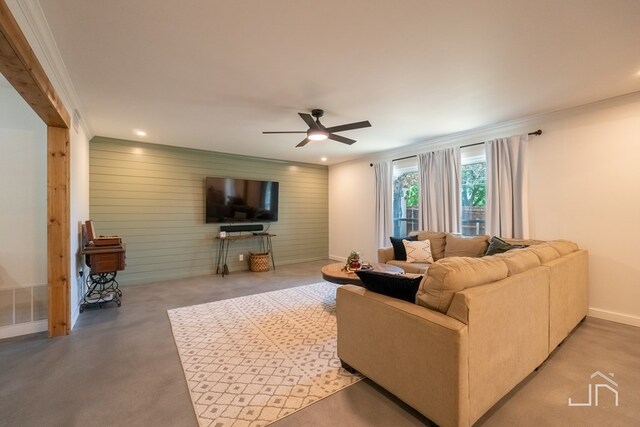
<point>353,261</point>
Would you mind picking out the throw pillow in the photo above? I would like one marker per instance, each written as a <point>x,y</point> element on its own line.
<point>399,253</point>
<point>393,285</point>
<point>438,241</point>
<point>498,246</point>
<point>418,251</point>
<point>466,246</point>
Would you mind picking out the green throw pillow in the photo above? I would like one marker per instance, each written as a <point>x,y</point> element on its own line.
<point>498,246</point>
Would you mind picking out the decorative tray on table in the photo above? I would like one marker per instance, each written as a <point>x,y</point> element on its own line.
<point>362,267</point>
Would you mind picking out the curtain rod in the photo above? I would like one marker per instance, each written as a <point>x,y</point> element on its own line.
<point>538,132</point>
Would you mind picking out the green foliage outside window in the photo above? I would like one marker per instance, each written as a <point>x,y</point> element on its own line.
<point>474,184</point>
<point>409,183</point>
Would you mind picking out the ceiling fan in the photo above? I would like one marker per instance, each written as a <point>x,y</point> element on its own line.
<point>318,132</point>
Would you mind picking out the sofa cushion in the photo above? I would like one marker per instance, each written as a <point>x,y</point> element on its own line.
<point>437,239</point>
<point>525,242</point>
<point>393,285</point>
<point>385,254</point>
<point>563,247</point>
<point>399,252</point>
<point>498,246</point>
<point>545,252</point>
<point>519,260</point>
<point>450,275</point>
<point>465,246</point>
<point>410,267</point>
<point>418,251</point>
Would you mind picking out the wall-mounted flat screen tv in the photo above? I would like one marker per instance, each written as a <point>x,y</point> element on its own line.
<point>240,200</point>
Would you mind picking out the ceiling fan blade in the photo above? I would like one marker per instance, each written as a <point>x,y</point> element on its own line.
<point>350,126</point>
<point>309,120</point>
<point>303,142</point>
<point>288,131</point>
<point>341,139</point>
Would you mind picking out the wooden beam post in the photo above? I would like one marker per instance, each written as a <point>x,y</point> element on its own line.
<point>22,69</point>
<point>58,230</point>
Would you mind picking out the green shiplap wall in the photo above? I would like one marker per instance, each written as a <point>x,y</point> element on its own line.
<point>153,197</point>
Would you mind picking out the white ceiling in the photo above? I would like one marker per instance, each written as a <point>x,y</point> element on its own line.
<point>214,74</point>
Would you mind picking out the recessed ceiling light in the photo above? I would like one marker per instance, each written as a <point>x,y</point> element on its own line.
<point>140,132</point>
<point>323,159</point>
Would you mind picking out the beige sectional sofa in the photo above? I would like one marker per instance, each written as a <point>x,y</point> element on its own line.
<point>480,325</point>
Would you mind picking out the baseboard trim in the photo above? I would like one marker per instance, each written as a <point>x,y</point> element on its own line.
<point>23,329</point>
<point>614,317</point>
<point>338,258</point>
<point>74,316</point>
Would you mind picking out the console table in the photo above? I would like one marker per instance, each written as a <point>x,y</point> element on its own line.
<point>225,242</point>
<point>104,262</point>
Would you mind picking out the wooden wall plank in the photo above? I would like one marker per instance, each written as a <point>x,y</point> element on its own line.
<point>58,230</point>
<point>153,196</point>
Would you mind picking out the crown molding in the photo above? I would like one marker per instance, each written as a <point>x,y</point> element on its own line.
<point>43,42</point>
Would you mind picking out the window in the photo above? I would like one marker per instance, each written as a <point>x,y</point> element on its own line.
<point>406,187</point>
<point>474,190</point>
<point>405,196</point>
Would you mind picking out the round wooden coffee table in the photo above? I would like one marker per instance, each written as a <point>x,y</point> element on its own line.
<point>333,273</point>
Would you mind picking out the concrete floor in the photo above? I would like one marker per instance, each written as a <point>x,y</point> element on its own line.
<point>120,367</point>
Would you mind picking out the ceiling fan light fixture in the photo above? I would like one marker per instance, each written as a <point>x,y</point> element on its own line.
<point>318,132</point>
<point>317,135</point>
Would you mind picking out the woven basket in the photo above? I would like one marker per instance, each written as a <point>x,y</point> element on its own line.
<point>259,261</point>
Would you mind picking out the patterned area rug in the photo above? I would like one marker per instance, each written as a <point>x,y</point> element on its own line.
<point>252,360</point>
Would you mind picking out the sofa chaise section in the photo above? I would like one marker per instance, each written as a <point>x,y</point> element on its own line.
<point>419,355</point>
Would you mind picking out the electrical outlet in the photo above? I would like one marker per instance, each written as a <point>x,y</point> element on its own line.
<point>241,257</point>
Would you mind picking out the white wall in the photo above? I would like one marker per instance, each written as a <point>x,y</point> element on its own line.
<point>23,190</point>
<point>583,186</point>
<point>583,183</point>
<point>23,215</point>
<point>79,200</point>
<point>351,218</point>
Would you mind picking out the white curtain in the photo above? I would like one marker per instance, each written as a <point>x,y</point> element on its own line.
<point>440,190</point>
<point>383,202</point>
<point>507,198</point>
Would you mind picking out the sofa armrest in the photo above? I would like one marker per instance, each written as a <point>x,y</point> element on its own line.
<point>417,354</point>
<point>568,294</point>
<point>508,334</point>
<point>385,254</point>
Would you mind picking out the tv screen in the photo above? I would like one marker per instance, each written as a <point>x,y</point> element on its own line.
<point>240,200</point>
